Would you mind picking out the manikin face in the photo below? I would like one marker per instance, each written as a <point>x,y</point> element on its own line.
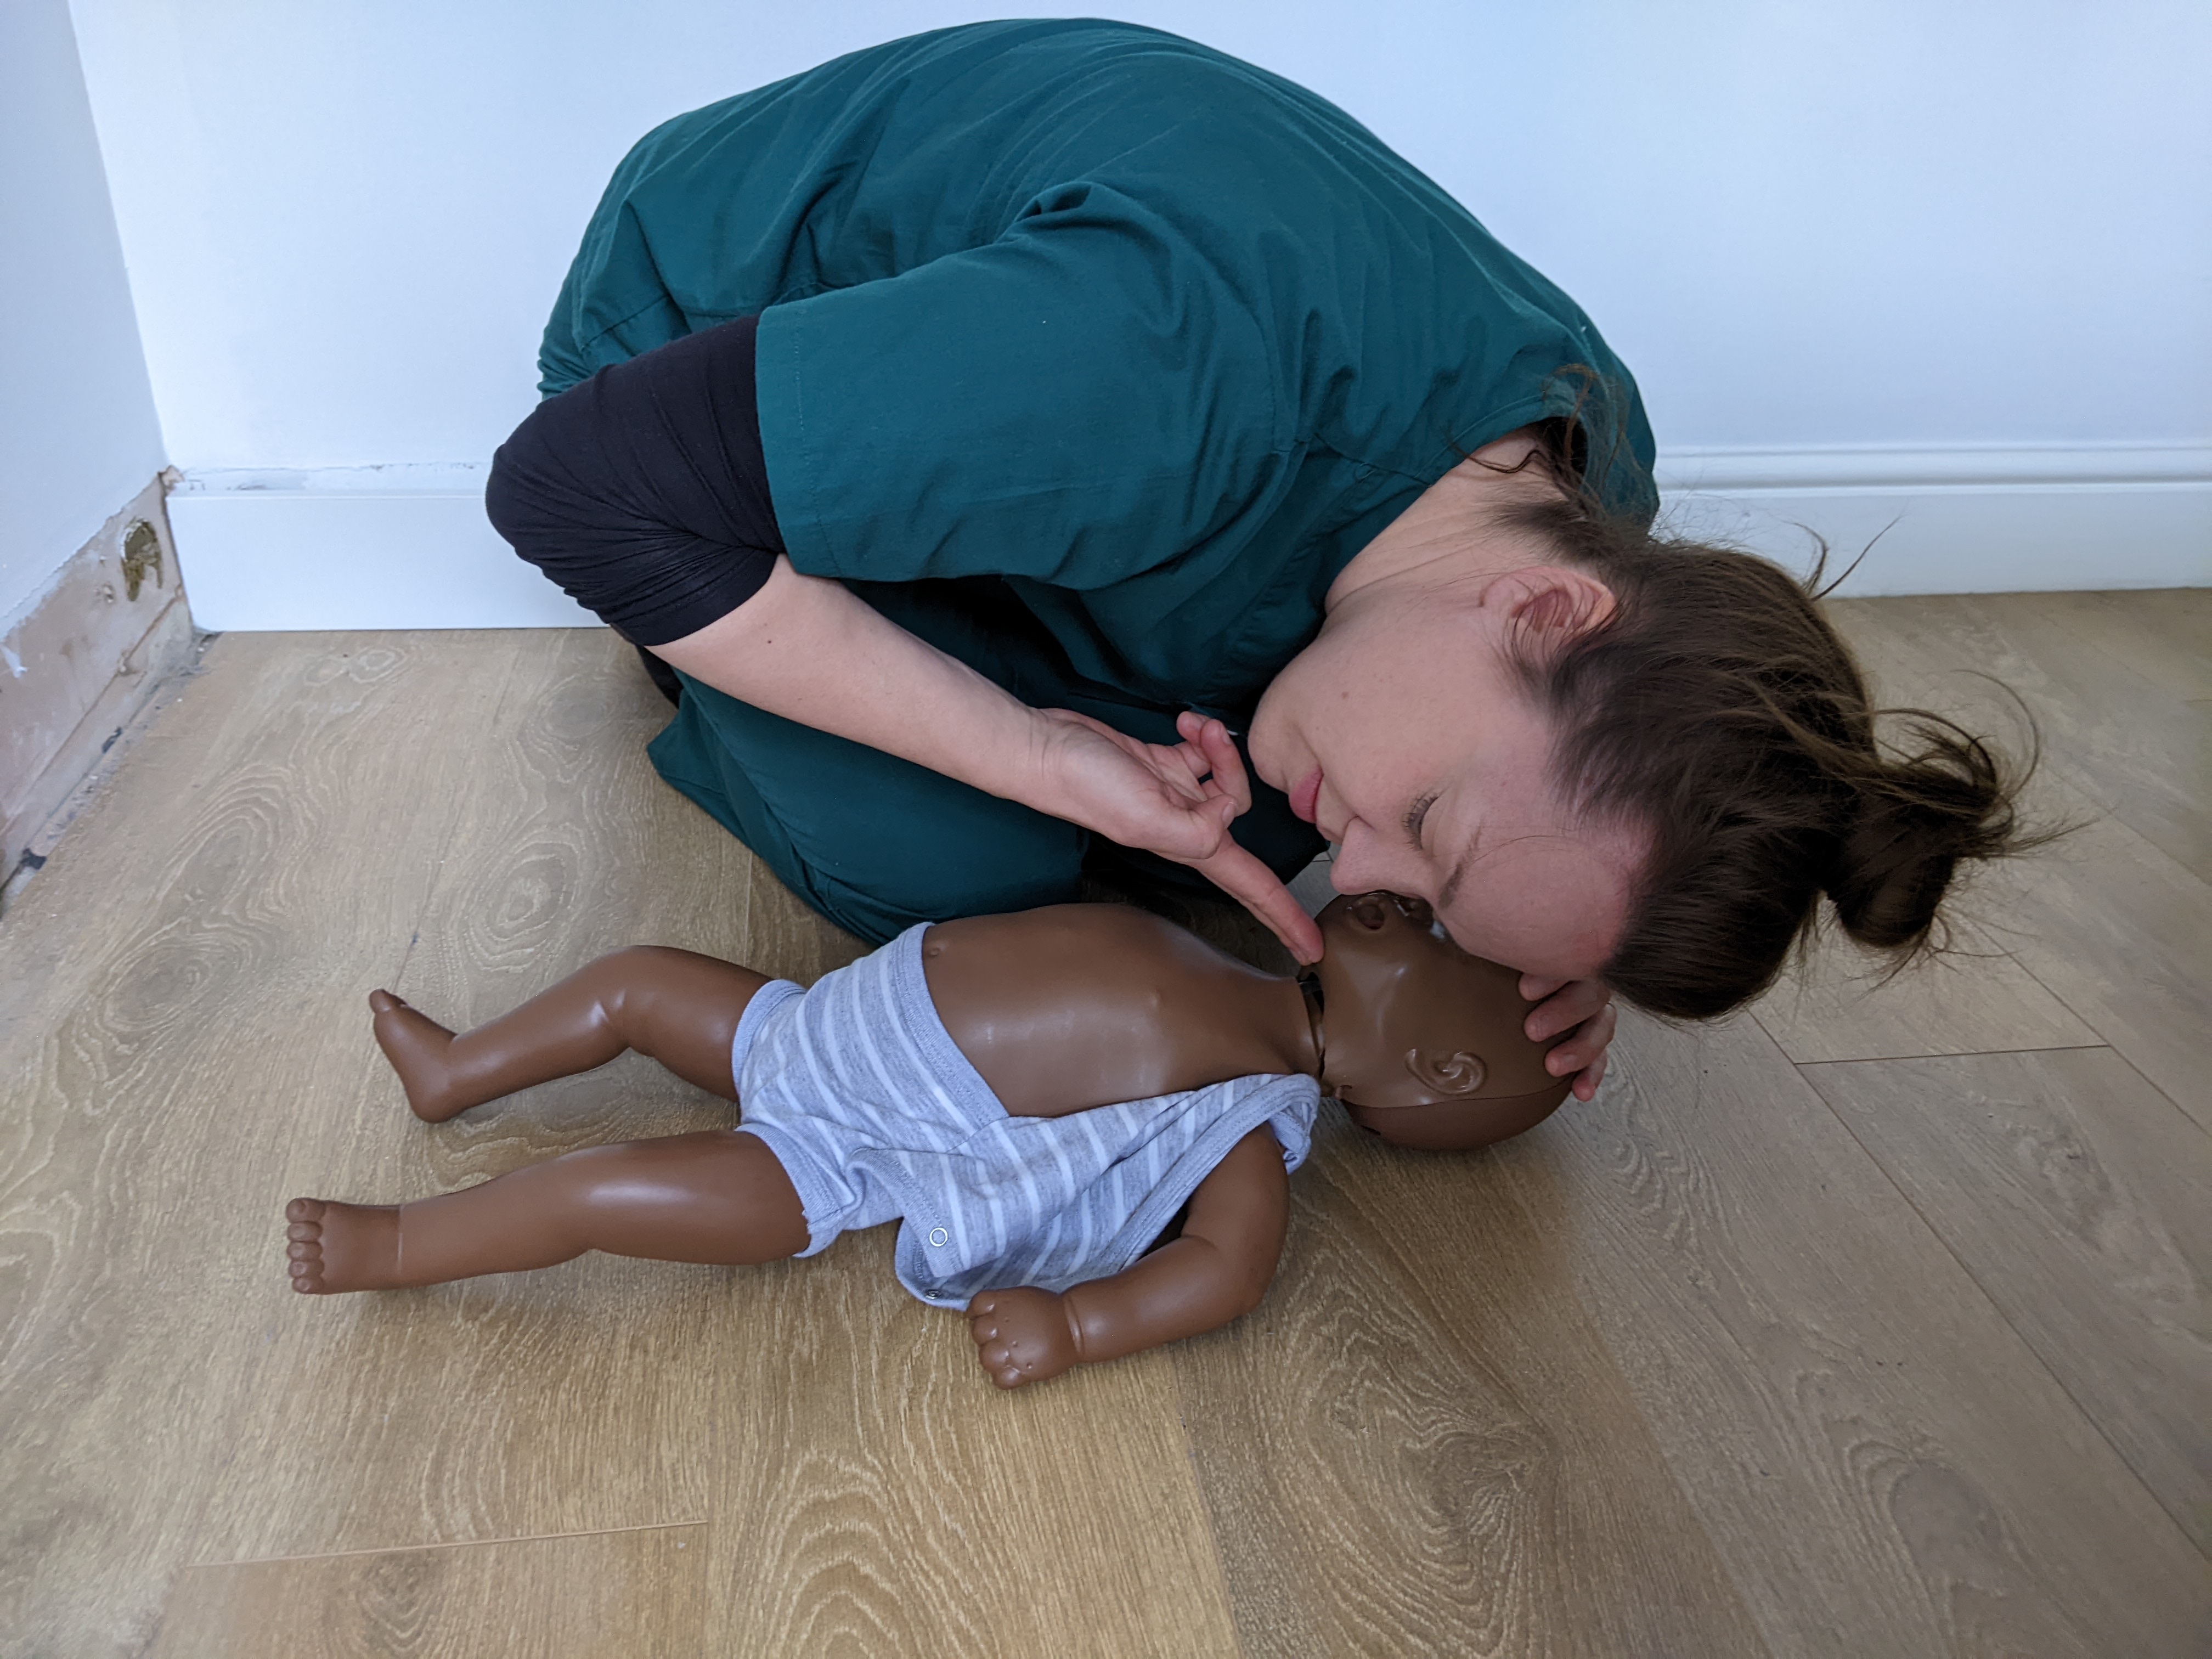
<point>1421,1041</point>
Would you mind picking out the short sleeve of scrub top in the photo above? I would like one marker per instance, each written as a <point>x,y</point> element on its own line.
<point>1156,338</point>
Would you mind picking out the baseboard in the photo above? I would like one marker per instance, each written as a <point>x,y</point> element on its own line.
<point>1982,520</point>
<point>355,547</point>
<point>408,546</point>
<point>79,661</point>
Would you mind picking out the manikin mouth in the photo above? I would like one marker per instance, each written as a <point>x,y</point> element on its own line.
<point>1372,910</point>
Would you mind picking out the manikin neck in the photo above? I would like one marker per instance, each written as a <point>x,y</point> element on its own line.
<point>1314,1051</point>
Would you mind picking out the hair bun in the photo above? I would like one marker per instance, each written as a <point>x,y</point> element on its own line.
<point>1918,816</point>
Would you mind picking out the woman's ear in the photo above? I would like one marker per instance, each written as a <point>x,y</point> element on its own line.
<point>1448,1076</point>
<point>1550,601</point>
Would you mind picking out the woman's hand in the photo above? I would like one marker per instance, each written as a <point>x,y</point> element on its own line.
<point>1563,1005</point>
<point>810,649</point>
<point>1177,800</point>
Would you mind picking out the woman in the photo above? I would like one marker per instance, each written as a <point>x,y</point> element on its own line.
<point>994,427</point>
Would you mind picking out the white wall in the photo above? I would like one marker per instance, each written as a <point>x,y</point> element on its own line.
<point>1866,259</point>
<point>78,436</point>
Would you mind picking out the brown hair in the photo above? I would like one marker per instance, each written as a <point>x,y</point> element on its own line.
<point>1717,709</point>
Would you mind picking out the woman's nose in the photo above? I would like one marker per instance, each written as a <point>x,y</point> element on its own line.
<point>1357,867</point>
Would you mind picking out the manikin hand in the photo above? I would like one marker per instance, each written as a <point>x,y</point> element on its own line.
<point>1176,800</point>
<point>1022,1335</point>
<point>1561,1006</point>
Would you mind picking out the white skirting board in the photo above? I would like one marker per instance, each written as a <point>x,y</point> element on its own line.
<point>409,546</point>
<point>1957,520</point>
<point>346,547</point>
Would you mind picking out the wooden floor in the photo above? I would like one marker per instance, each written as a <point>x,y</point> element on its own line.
<point>1875,1324</point>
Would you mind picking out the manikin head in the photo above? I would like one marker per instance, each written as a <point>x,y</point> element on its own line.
<point>1421,1041</point>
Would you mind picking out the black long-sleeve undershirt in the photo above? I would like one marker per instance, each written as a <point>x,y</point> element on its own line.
<point>643,491</point>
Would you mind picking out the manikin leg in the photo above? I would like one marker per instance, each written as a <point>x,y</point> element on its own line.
<point>717,1196</point>
<point>675,1007</point>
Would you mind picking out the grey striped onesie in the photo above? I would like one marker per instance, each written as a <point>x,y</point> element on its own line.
<point>875,1113</point>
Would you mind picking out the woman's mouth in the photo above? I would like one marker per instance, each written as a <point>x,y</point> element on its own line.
<point>1303,796</point>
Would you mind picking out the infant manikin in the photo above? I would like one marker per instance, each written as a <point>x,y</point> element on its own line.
<point>1084,1117</point>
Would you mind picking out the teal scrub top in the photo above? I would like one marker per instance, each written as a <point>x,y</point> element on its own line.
<point>1157,339</point>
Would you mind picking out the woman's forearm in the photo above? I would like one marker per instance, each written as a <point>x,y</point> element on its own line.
<point>811,651</point>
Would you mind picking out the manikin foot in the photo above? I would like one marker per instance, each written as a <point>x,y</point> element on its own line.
<point>342,1247</point>
<point>416,1045</point>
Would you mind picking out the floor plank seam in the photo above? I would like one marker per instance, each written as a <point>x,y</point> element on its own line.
<point>1960,1054</point>
<point>2152,1083</point>
<point>446,1544</point>
<point>2163,1094</point>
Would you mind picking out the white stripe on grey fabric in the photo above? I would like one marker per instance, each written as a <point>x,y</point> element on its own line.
<point>875,1113</point>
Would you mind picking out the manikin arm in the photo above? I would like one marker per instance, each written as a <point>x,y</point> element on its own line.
<point>1218,1271</point>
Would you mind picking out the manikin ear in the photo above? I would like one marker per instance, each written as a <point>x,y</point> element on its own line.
<point>1553,604</point>
<point>1448,1077</point>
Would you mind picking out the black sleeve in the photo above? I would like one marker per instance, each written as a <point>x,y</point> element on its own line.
<point>643,491</point>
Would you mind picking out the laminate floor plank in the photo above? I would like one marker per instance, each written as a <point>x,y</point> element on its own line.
<point>1418,1443</point>
<point>2113,732</point>
<point>1886,1467</point>
<point>168,1041</point>
<point>875,1494</point>
<point>1685,1371</point>
<point>601,1596</point>
<point>1842,1004</point>
<point>2108,920</point>
<point>2165,635</point>
<point>2123,935</point>
<point>572,1400</point>
<point>2077,1196</point>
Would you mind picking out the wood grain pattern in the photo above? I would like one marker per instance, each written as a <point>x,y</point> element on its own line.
<point>875,1494</point>
<point>164,993</point>
<point>2081,1200</point>
<point>1684,1372</point>
<point>1846,1005</point>
<point>608,1596</point>
<point>536,877</point>
<point>2124,935</point>
<point>1885,1465</point>
<point>2165,637</point>
<point>1418,1445</point>
<point>2113,733</point>
<point>2111,921</point>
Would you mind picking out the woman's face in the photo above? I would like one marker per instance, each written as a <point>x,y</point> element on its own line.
<point>1403,734</point>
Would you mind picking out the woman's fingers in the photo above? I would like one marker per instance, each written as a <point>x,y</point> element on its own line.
<point>1582,1007</point>
<point>1259,890</point>
<point>1211,740</point>
<point>1149,796</point>
<point>1583,1056</point>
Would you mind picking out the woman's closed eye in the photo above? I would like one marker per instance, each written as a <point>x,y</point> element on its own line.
<point>1416,816</point>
